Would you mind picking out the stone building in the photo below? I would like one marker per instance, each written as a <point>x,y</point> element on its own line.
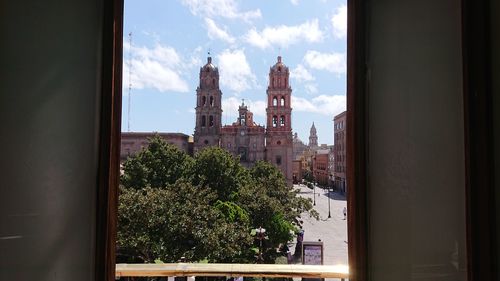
<point>320,166</point>
<point>340,151</point>
<point>279,140</point>
<point>133,142</point>
<point>298,147</point>
<point>244,138</point>
<point>297,171</point>
<point>208,108</point>
<point>313,137</point>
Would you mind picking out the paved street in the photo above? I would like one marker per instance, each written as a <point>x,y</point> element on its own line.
<point>332,231</point>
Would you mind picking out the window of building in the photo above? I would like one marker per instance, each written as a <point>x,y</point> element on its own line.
<point>211,101</point>
<point>278,160</point>
<point>203,100</point>
<point>275,101</point>
<point>282,121</point>
<point>275,121</point>
<point>203,121</point>
<point>211,121</point>
<point>282,101</point>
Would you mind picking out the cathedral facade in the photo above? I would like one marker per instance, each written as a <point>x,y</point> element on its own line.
<point>244,138</point>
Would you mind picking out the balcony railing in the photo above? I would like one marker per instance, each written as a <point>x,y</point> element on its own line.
<point>232,270</point>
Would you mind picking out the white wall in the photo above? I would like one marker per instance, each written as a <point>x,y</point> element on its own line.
<point>49,96</point>
<point>416,141</point>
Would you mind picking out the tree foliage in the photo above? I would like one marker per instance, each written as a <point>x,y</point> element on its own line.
<point>158,165</point>
<point>203,208</point>
<point>176,222</point>
<point>217,169</point>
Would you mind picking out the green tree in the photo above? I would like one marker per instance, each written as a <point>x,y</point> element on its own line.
<point>175,222</point>
<point>273,205</point>
<point>219,170</point>
<point>156,165</point>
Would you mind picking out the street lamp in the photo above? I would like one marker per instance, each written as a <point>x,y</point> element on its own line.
<point>314,194</point>
<point>329,215</point>
<point>259,233</point>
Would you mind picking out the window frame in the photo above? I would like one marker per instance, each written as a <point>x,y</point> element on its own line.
<point>479,146</point>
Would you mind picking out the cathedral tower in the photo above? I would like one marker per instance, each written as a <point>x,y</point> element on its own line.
<point>208,108</point>
<point>313,137</point>
<point>279,140</point>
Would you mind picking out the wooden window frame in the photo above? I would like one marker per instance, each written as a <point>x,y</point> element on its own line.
<point>478,141</point>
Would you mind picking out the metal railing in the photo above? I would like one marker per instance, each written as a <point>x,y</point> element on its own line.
<point>191,270</point>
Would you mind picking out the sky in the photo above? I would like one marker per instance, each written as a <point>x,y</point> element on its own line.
<point>171,40</point>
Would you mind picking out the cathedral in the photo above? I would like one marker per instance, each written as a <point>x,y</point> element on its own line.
<point>244,138</point>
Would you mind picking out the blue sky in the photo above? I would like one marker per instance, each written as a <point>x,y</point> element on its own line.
<point>171,38</point>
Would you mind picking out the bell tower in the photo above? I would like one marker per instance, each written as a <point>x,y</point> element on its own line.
<point>313,137</point>
<point>279,139</point>
<point>208,108</point>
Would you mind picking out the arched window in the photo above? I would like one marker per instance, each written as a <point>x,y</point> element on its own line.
<point>282,101</point>
<point>203,121</point>
<point>211,121</point>
<point>213,82</point>
<point>211,101</point>
<point>282,120</point>
<point>275,101</point>
<point>279,68</point>
<point>203,100</point>
<point>275,121</point>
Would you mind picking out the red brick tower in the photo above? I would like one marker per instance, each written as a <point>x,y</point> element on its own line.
<point>208,108</point>
<point>279,139</point>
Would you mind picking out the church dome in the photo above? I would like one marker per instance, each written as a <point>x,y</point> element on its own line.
<point>279,66</point>
<point>209,65</point>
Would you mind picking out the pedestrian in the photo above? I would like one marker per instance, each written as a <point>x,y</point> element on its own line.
<point>345,213</point>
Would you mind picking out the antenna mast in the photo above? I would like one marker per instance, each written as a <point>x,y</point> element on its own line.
<point>129,77</point>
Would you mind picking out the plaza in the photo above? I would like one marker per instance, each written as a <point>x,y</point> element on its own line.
<point>331,231</point>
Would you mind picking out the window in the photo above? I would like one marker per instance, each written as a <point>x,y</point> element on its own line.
<point>275,101</point>
<point>278,160</point>
<point>203,121</point>
<point>282,101</point>
<point>282,121</point>
<point>275,121</point>
<point>211,121</point>
<point>211,101</point>
<point>203,100</point>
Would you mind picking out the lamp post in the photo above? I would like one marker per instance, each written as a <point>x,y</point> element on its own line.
<point>259,233</point>
<point>314,194</point>
<point>329,215</point>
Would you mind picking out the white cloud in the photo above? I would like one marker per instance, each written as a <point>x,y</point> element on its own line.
<point>332,62</point>
<point>215,32</point>
<point>235,72</point>
<point>311,88</point>
<point>339,22</point>
<point>295,2</point>
<point>230,107</point>
<point>322,104</point>
<point>301,74</point>
<point>284,35</point>
<point>159,68</point>
<point>221,8</point>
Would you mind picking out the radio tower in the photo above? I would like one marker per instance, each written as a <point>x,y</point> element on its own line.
<point>129,77</point>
